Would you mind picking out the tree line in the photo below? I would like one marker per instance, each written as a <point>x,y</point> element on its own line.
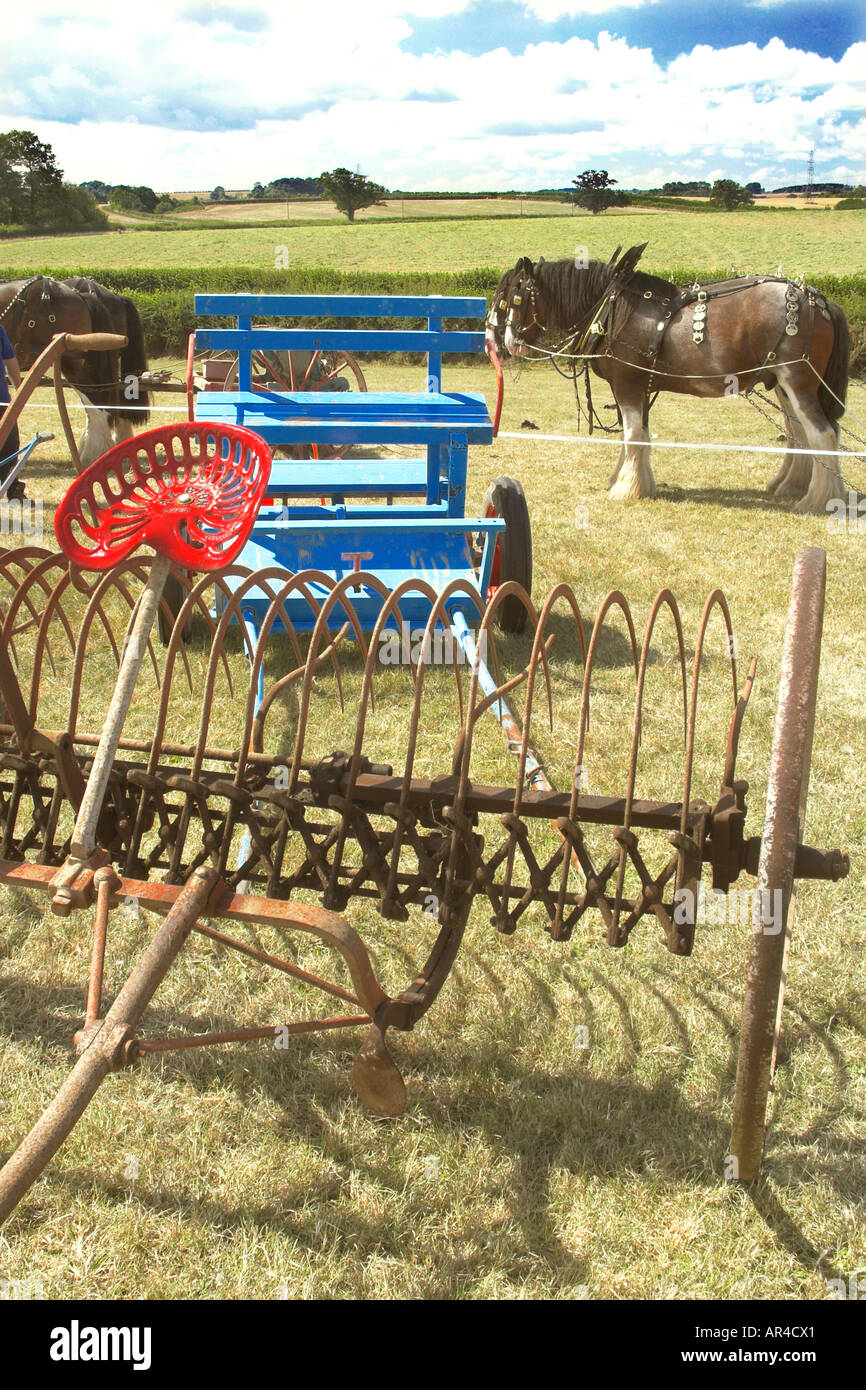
<point>33,193</point>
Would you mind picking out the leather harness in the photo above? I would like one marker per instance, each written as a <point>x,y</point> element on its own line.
<point>664,300</point>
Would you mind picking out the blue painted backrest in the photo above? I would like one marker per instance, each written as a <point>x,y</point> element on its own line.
<point>433,340</point>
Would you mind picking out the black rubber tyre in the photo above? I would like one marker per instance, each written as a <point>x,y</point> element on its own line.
<point>173,598</point>
<point>513,559</point>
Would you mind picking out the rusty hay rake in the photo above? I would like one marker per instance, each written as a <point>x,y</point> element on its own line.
<point>227,806</point>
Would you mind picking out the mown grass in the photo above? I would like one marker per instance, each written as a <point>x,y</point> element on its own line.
<point>562,1172</point>
<point>805,243</point>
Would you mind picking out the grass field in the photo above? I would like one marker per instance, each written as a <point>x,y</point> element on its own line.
<point>804,243</point>
<point>319,210</point>
<point>250,1173</point>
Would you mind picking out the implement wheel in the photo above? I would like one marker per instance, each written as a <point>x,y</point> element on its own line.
<point>773,917</point>
<point>512,557</point>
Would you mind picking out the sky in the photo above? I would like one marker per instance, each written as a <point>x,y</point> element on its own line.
<point>441,94</point>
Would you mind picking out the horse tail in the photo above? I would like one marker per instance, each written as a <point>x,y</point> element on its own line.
<point>101,366</point>
<point>133,362</point>
<point>834,385</point>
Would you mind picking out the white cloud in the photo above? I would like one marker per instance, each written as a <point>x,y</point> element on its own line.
<point>554,9</point>
<point>194,95</point>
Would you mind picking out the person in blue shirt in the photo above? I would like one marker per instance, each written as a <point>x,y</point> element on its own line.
<point>10,364</point>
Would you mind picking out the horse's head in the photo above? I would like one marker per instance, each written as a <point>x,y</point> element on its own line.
<point>516,320</point>
<point>33,311</point>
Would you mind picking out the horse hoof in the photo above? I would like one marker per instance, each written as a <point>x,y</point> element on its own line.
<point>630,494</point>
<point>808,505</point>
<point>377,1082</point>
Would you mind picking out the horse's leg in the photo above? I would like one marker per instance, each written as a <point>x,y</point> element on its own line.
<point>634,475</point>
<point>795,470</point>
<point>96,439</point>
<point>826,485</point>
<point>619,463</point>
<point>123,429</point>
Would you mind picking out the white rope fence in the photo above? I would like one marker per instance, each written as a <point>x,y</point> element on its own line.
<point>679,444</point>
<point>535,437</point>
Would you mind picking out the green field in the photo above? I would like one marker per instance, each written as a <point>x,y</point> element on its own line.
<point>247,1173</point>
<point>804,243</point>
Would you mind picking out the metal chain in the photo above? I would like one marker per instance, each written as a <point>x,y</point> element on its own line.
<point>747,396</point>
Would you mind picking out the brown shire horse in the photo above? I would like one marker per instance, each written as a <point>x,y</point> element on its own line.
<point>642,335</point>
<point>33,310</point>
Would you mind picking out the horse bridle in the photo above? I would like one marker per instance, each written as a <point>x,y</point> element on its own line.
<point>20,299</point>
<point>522,301</point>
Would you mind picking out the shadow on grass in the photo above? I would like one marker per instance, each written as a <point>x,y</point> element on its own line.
<point>745,498</point>
<point>543,1123</point>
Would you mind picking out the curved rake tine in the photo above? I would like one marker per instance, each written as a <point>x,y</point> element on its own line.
<point>338,595</point>
<point>715,599</point>
<point>736,725</point>
<point>254,727</point>
<point>663,598</point>
<point>439,614</point>
<point>286,682</point>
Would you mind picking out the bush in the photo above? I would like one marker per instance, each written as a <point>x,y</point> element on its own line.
<point>850,205</point>
<point>164,295</point>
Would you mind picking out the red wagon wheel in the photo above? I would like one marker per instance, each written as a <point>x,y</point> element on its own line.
<point>512,555</point>
<point>320,372</point>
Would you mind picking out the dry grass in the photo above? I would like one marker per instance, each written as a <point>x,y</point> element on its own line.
<point>306,210</point>
<point>252,1173</point>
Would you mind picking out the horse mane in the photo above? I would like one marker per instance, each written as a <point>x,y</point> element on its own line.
<point>572,292</point>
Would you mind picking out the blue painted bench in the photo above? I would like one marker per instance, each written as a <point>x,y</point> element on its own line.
<point>445,424</point>
<point>426,533</point>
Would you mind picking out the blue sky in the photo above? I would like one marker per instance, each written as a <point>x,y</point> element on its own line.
<point>669,27</point>
<point>450,94</point>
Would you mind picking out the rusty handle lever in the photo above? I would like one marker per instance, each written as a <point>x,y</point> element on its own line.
<point>60,343</point>
<point>108,1047</point>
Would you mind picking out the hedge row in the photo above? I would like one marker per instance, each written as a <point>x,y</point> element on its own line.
<point>165,296</point>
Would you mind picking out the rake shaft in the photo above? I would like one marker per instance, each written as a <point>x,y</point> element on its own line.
<point>87,820</point>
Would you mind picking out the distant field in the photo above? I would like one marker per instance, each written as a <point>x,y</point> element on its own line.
<point>815,242</point>
<point>308,211</point>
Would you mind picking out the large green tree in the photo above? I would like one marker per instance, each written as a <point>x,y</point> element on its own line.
<point>100,190</point>
<point>349,191</point>
<point>730,194</point>
<point>30,180</point>
<point>594,190</point>
<point>133,199</point>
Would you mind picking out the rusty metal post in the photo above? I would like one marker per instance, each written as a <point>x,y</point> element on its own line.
<point>783,829</point>
<point>108,1046</point>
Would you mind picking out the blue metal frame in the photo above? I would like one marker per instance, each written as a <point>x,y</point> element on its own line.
<point>423,535</point>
